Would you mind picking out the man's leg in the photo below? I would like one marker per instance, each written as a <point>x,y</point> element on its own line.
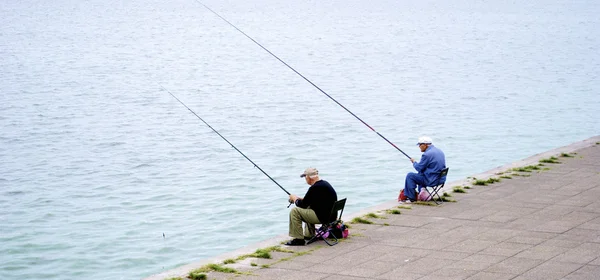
<point>299,215</point>
<point>309,230</point>
<point>410,184</point>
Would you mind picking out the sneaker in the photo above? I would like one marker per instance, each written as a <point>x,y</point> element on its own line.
<point>407,201</point>
<point>296,242</point>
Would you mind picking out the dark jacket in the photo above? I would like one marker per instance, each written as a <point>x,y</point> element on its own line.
<point>320,197</point>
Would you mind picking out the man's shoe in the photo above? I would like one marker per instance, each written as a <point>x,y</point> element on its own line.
<point>407,201</point>
<point>296,242</point>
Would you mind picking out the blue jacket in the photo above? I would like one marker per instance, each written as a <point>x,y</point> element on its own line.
<point>431,163</point>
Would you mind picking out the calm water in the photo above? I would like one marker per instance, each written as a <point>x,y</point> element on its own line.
<point>97,162</point>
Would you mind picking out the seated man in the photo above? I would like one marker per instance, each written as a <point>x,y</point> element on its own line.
<point>429,167</point>
<point>314,208</point>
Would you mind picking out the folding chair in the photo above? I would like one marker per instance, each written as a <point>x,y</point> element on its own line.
<point>436,186</point>
<point>328,228</point>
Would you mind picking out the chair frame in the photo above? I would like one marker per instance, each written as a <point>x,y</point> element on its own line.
<point>328,228</point>
<point>436,187</point>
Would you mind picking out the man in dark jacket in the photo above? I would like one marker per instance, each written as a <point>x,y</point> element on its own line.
<point>313,208</point>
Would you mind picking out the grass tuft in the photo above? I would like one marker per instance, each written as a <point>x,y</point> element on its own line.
<point>506,177</point>
<point>359,220</point>
<point>404,207</point>
<point>262,254</point>
<point>426,203</point>
<point>480,183</point>
<point>458,190</point>
<point>386,224</point>
<point>373,215</point>
<point>393,211</point>
<point>566,155</point>
<point>446,199</point>
<point>550,160</point>
<point>197,276</point>
<point>492,180</point>
<point>199,273</point>
<point>228,261</point>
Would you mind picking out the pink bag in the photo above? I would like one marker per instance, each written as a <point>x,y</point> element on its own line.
<point>423,195</point>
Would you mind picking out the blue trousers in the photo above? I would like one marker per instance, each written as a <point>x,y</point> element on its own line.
<point>410,184</point>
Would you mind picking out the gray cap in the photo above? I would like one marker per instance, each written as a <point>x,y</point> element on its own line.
<point>311,171</point>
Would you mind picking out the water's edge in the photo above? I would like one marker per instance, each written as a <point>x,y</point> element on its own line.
<point>534,159</point>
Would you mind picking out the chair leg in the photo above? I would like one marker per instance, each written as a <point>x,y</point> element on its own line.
<point>335,241</point>
<point>318,233</point>
<point>430,196</point>
<point>434,193</point>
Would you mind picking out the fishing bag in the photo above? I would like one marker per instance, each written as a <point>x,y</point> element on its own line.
<point>402,196</point>
<point>339,230</point>
<point>424,195</point>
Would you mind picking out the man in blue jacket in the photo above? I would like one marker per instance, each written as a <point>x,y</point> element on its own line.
<point>429,167</point>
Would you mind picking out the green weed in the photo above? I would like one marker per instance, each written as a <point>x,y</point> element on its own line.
<point>492,180</point>
<point>550,160</point>
<point>458,190</point>
<point>359,220</point>
<point>374,216</point>
<point>426,203</point>
<point>197,276</point>
<point>199,273</point>
<point>480,183</point>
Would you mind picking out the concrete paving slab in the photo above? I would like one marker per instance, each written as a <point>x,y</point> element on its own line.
<point>550,270</point>
<point>514,265</point>
<point>506,249</point>
<point>581,254</point>
<point>541,252</point>
<point>491,275</point>
<point>587,272</point>
<point>470,246</point>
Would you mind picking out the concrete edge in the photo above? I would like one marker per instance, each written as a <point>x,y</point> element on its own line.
<point>183,271</point>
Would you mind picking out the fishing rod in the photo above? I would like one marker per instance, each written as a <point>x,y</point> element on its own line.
<point>227,141</point>
<point>306,79</point>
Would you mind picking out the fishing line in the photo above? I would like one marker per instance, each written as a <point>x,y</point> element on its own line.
<point>226,141</point>
<point>306,79</point>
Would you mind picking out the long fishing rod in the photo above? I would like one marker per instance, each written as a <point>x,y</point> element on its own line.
<point>306,79</point>
<point>227,141</point>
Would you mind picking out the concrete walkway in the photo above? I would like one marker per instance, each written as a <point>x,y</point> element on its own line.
<point>543,224</point>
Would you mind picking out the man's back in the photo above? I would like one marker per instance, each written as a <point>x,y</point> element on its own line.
<point>431,163</point>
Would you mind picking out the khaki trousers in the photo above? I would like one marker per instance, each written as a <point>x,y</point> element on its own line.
<point>299,215</point>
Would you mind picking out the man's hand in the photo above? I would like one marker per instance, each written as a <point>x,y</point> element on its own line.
<point>292,198</point>
<point>412,160</point>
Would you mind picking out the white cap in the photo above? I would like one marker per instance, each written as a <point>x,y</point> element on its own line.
<point>424,140</point>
